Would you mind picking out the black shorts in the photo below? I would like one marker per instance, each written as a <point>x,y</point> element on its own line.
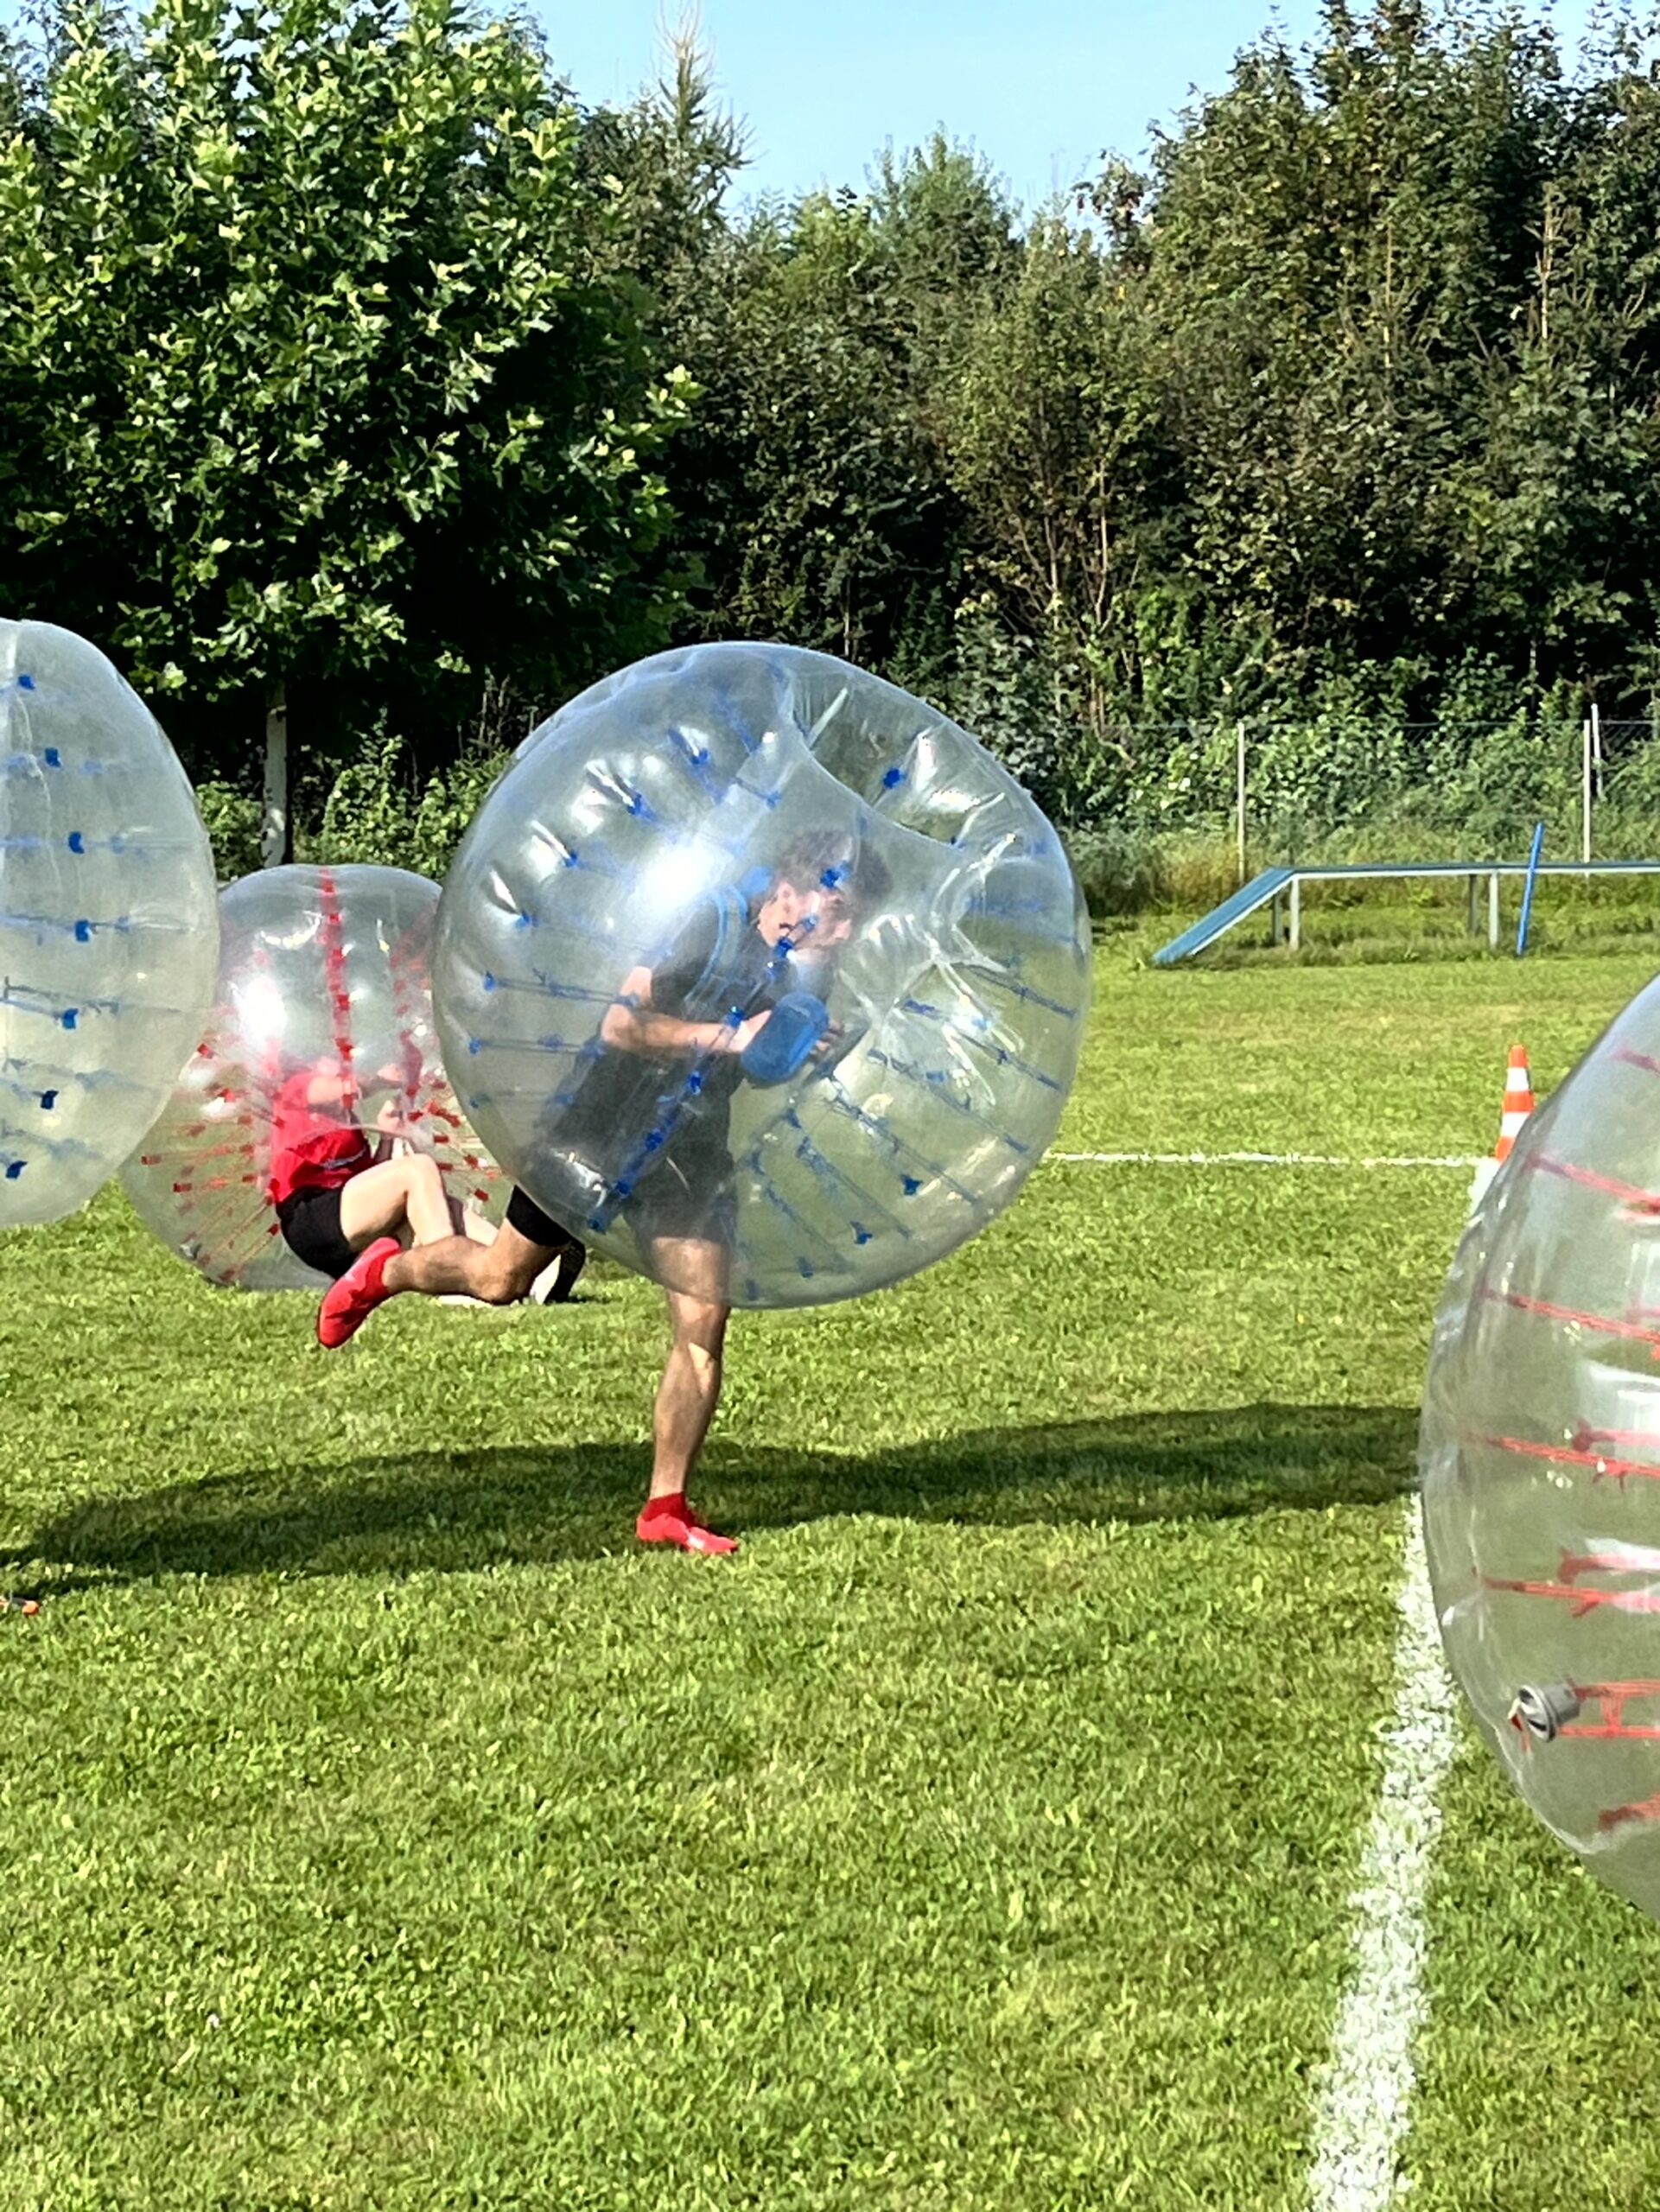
<point>680,1195</point>
<point>535,1227</point>
<point>690,1195</point>
<point>311,1229</point>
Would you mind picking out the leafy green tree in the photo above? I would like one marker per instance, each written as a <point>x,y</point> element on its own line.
<point>341,351</point>
<point>1333,251</point>
<point>812,485</point>
<point>664,164</point>
<point>1055,450</point>
<point>1561,508</point>
<point>319,388</point>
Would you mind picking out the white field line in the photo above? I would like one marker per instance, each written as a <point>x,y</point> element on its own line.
<point>1366,2084</point>
<point>1266,1160</point>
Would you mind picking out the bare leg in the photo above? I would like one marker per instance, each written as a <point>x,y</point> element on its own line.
<point>498,1273</point>
<point>690,1389</point>
<point>381,1199</point>
<point>478,1228</point>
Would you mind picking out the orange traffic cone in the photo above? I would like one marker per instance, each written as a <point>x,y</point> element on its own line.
<point>1518,1102</point>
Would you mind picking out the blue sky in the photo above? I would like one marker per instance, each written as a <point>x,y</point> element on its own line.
<point>1041,86</point>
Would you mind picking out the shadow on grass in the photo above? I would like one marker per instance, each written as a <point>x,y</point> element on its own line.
<point>470,1510</point>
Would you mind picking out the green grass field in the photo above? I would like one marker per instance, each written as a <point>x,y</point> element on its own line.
<point>379,1829</point>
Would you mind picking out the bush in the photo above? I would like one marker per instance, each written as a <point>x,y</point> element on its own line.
<point>373,816</point>
<point>1127,871</point>
<point>1001,691</point>
<point>449,803</point>
<point>369,815</point>
<point>1116,869</point>
<point>232,821</point>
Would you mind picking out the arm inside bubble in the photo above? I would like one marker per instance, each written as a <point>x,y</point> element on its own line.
<point>632,1024</point>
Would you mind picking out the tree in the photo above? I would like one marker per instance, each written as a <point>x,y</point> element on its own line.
<point>1055,454</point>
<point>317,386</point>
<point>813,483</point>
<point>665,163</point>
<point>1562,517</point>
<point>1332,254</point>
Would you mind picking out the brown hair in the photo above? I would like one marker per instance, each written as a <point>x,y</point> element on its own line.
<point>836,862</point>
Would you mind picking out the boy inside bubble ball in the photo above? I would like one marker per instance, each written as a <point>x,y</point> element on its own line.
<point>336,1186</point>
<point>642,1138</point>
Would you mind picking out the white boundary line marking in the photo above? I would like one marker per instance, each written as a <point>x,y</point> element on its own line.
<point>1264,1159</point>
<point>1366,2083</point>
<point>1364,2098</point>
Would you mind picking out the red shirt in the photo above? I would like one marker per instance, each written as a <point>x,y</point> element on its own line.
<point>312,1148</point>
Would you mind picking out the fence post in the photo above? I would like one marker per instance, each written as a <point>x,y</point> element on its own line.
<point>1596,750</point>
<point>1585,794</point>
<point>1239,792</point>
<point>274,840</point>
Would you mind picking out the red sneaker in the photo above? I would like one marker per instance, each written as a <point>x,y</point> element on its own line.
<point>671,1521</point>
<point>348,1303</point>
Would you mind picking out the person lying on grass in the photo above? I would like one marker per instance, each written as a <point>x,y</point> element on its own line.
<point>337,1189</point>
<point>701,1007</point>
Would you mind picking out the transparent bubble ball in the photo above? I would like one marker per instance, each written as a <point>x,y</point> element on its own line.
<point>762,977</point>
<point>108,930</point>
<point>324,969</point>
<point>1540,1455</point>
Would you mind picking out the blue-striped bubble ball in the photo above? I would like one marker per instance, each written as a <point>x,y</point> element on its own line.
<point>761,975</point>
<point>109,931</point>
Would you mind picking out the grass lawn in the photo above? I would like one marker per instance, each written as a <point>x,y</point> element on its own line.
<point>379,1829</point>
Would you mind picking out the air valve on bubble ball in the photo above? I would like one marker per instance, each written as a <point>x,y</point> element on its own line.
<point>1543,1713</point>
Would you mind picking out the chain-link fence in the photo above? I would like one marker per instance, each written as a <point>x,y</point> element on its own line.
<point>1287,791</point>
<point>1620,789</point>
<point>1173,813</point>
<point>1183,811</point>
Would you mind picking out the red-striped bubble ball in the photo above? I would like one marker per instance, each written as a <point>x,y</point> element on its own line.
<point>1541,1459</point>
<point>323,972</point>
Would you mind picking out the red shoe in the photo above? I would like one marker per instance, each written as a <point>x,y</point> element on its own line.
<point>348,1303</point>
<point>671,1521</point>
